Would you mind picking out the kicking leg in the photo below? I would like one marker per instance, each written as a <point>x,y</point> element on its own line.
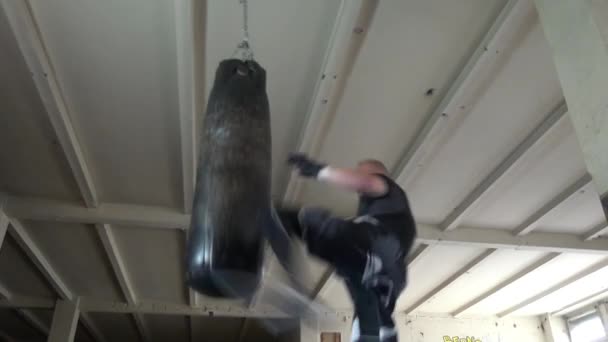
<point>366,323</point>
<point>333,239</point>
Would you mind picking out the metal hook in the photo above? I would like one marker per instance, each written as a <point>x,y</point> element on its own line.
<point>244,48</point>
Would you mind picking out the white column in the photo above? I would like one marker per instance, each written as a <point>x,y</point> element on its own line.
<point>603,311</point>
<point>556,329</point>
<point>65,321</point>
<point>577,32</point>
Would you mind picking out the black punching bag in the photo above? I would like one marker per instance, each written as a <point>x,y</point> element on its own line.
<point>232,195</point>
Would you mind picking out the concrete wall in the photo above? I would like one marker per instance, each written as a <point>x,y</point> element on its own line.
<point>428,328</point>
<point>432,328</point>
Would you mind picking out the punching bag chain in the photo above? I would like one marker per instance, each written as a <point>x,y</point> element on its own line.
<point>244,48</point>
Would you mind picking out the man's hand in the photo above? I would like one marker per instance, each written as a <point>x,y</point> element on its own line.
<point>306,166</point>
<point>350,179</point>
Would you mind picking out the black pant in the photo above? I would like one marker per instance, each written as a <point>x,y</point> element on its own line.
<point>348,246</point>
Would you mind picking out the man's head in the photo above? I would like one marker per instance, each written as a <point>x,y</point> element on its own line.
<point>372,166</point>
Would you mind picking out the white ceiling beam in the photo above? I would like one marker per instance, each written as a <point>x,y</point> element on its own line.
<point>33,320</point>
<point>531,223</point>
<point>65,321</point>
<point>587,300</point>
<point>596,231</point>
<point>169,218</point>
<point>504,239</point>
<point>455,217</point>
<point>534,266</point>
<point>94,331</point>
<point>562,284</point>
<point>20,234</point>
<point>328,286</point>
<point>323,283</point>
<point>349,31</point>
<point>106,235</point>
<point>418,254</point>
<point>114,214</point>
<point>31,44</point>
<point>121,273</point>
<point>473,72</point>
<point>153,307</point>
<point>190,16</point>
<point>450,280</point>
<point>3,227</point>
<point>26,302</point>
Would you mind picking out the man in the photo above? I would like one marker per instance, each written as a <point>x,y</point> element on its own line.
<point>369,251</point>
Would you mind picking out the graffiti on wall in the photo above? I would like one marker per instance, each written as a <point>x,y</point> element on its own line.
<point>460,339</point>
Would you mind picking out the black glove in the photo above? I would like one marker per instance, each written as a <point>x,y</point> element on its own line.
<point>306,166</point>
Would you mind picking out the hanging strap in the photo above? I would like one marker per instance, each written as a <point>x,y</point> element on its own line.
<point>243,48</point>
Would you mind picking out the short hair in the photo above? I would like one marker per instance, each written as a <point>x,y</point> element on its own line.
<point>374,162</point>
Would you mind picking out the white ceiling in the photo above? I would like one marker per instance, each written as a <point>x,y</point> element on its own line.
<point>120,88</point>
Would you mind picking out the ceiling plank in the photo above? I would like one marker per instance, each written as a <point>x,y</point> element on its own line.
<point>532,222</point>
<point>190,18</point>
<point>504,239</point>
<point>455,217</point>
<point>478,64</point>
<point>349,32</point>
<point>534,266</point>
<point>451,279</point>
<point>32,47</point>
<point>570,280</point>
<point>592,298</point>
<point>121,273</point>
<point>596,231</point>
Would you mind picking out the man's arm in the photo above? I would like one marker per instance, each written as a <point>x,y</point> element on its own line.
<point>348,179</point>
<point>354,180</point>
